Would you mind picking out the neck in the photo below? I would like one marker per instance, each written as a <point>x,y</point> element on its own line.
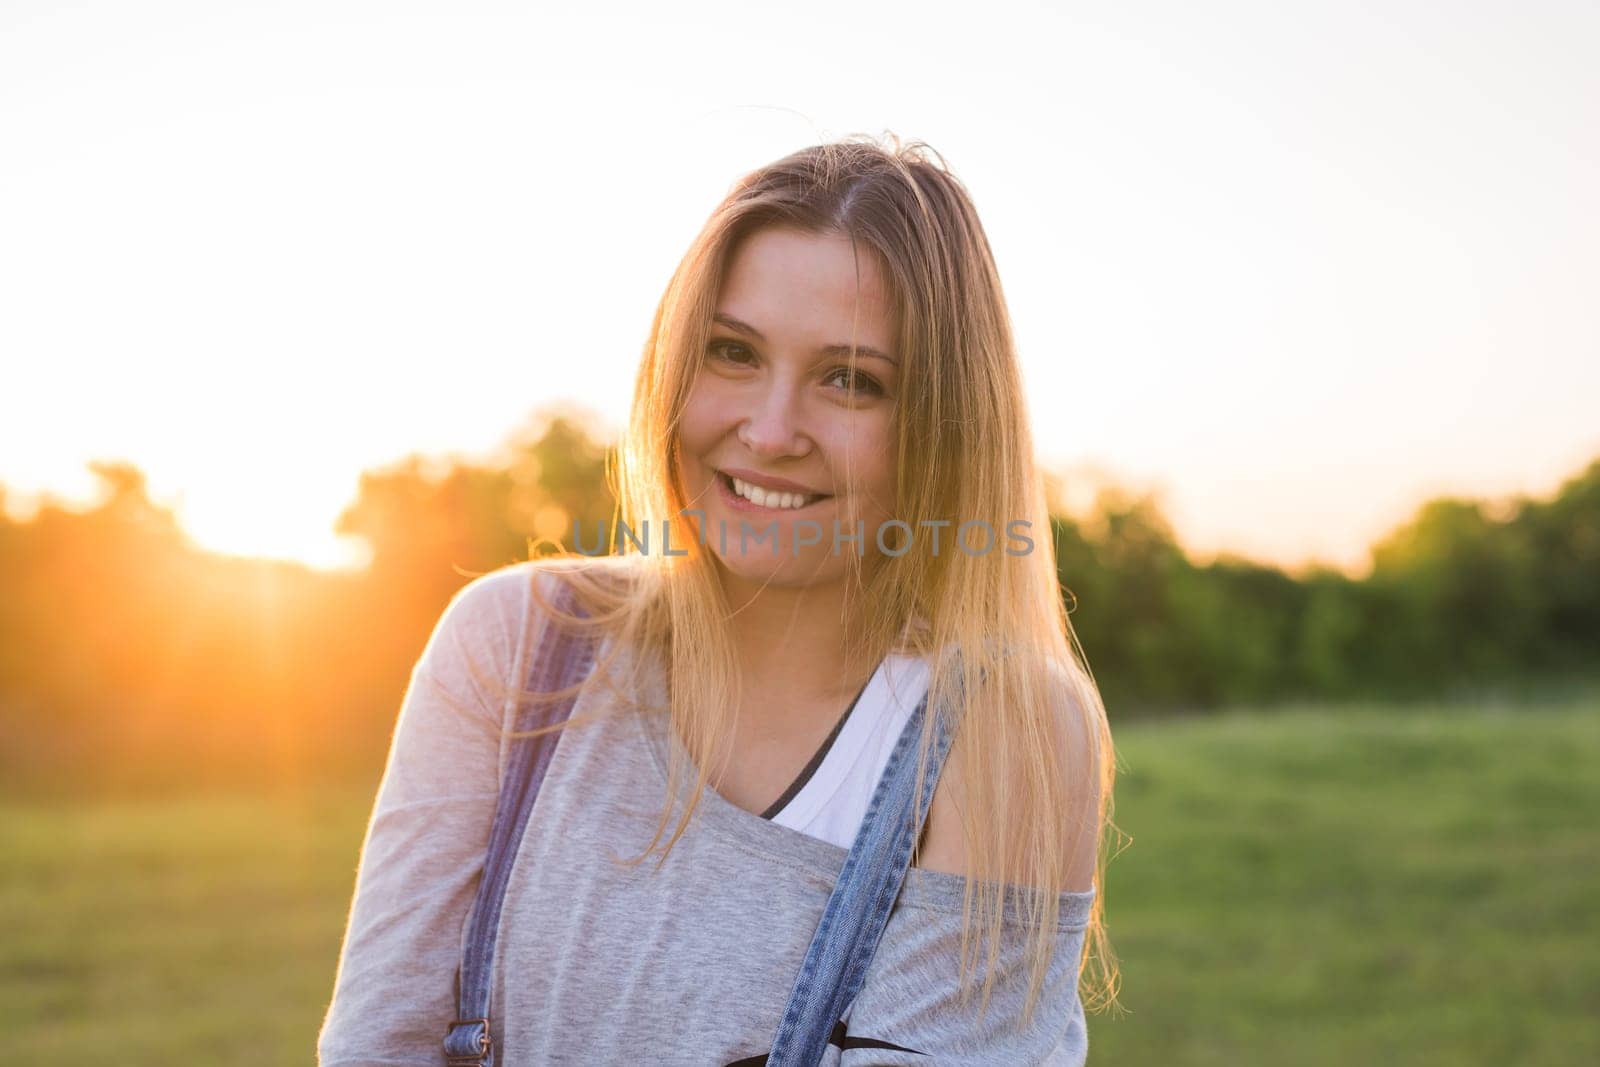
<point>798,645</point>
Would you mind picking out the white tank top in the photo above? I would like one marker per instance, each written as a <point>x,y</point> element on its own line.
<point>834,800</point>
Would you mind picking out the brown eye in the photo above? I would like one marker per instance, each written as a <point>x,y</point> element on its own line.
<point>727,351</point>
<point>863,384</point>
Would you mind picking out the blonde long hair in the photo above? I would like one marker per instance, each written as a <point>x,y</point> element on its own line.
<point>1034,746</point>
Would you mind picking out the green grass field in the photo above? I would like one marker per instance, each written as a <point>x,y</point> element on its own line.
<point>1301,887</point>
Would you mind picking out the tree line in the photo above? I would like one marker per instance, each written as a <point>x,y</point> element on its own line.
<point>130,658</point>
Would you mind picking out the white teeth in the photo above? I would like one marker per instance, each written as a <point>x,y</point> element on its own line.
<point>766,498</point>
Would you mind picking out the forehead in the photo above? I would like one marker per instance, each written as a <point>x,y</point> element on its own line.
<point>790,280</point>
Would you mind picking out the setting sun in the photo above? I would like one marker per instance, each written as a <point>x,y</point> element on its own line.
<point>249,520</point>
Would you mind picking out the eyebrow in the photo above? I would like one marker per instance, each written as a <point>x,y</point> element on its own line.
<point>828,350</point>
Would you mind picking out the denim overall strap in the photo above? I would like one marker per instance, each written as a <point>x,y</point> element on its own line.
<point>561,660</point>
<point>869,883</point>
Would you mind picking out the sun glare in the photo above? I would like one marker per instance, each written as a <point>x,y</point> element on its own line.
<point>274,522</point>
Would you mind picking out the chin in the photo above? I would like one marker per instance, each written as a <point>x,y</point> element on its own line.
<point>783,571</point>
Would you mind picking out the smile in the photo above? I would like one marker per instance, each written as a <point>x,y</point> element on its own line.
<point>740,492</point>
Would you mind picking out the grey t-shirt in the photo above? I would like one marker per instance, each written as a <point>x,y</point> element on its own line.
<point>600,963</point>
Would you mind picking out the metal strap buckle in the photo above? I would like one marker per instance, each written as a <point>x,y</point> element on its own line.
<point>468,1059</point>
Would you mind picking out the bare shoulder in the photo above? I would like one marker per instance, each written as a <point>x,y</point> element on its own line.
<point>1075,716</point>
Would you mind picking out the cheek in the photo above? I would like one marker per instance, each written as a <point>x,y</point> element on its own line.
<point>883,483</point>
<point>703,420</point>
<point>867,452</point>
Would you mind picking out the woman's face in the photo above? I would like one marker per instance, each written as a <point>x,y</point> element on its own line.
<point>775,406</point>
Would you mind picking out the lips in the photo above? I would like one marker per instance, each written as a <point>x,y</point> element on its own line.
<point>769,483</point>
<point>739,502</point>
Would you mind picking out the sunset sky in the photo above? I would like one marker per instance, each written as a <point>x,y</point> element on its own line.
<point>1297,267</point>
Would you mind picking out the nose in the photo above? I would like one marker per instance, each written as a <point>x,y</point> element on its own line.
<point>773,429</point>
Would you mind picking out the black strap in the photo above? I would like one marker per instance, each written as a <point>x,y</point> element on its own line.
<point>816,760</point>
<point>841,1038</point>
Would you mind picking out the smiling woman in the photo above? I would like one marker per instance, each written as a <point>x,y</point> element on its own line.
<point>781,423</point>
<point>867,769</point>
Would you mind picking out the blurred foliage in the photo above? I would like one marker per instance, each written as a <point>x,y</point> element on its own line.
<point>1468,599</point>
<point>131,658</point>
